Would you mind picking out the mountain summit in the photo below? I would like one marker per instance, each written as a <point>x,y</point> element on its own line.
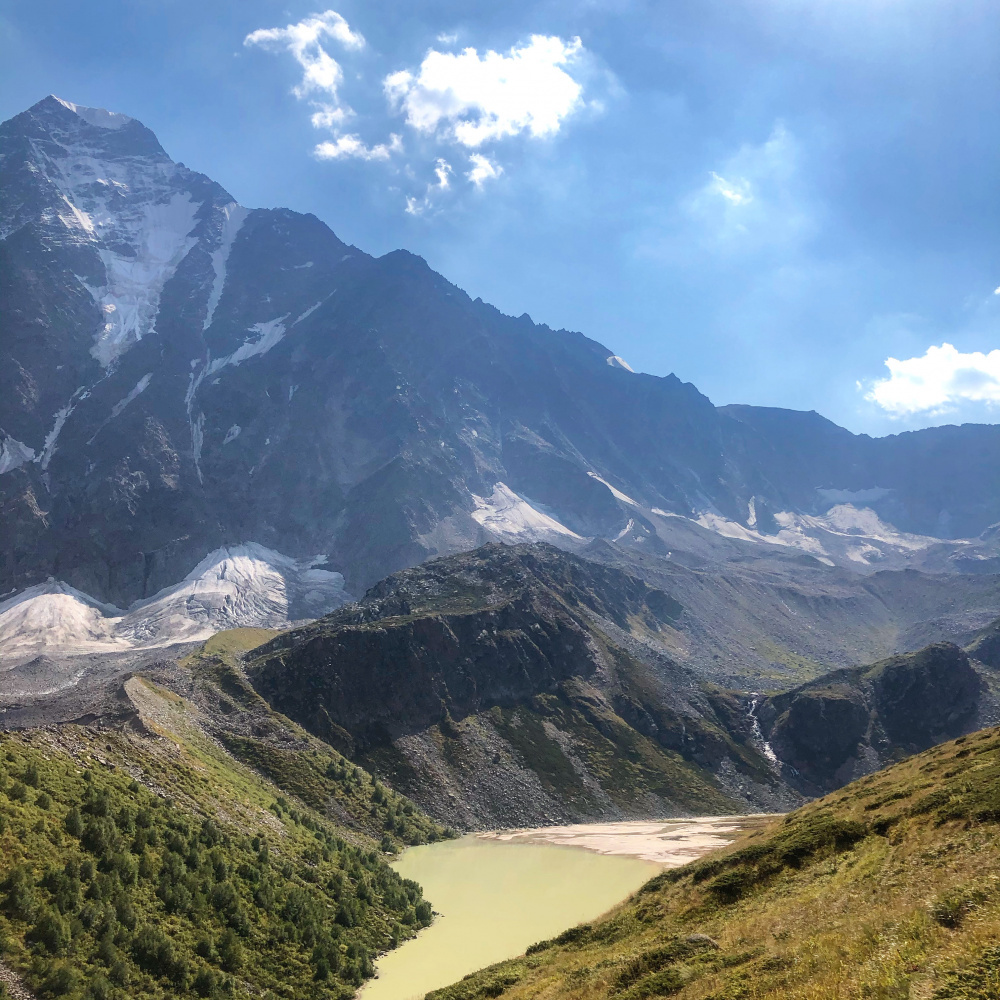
<point>179,373</point>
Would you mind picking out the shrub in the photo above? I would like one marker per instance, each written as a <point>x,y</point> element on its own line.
<point>732,884</point>
<point>19,894</point>
<point>100,836</point>
<point>158,955</point>
<point>659,984</point>
<point>230,951</point>
<point>73,823</point>
<point>51,932</point>
<point>206,982</point>
<point>952,907</point>
<point>100,988</point>
<point>61,981</point>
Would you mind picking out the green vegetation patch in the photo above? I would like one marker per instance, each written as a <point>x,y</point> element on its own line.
<point>483,985</point>
<point>320,778</point>
<point>109,889</point>
<point>731,876</point>
<point>979,981</point>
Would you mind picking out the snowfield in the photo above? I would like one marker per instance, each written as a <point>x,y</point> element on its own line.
<point>511,518</point>
<point>241,585</point>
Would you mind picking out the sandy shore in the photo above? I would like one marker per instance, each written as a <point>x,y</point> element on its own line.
<point>668,842</point>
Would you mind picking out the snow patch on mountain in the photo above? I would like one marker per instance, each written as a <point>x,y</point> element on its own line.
<point>59,421</point>
<point>616,362</point>
<point>233,218</point>
<point>512,517</point>
<point>136,390</point>
<point>54,617</point>
<point>130,296</point>
<point>96,116</point>
<point>617,493</point>
<point>234,586</point>
<point>197,442</point>
<point>312,309</point>
<point>845,535</point>
<point>239,585</point>
<point>139,387</point>
<point>269,334</point>
<point>14,453</point>
<point>134,211</point>
<point>628,527</point>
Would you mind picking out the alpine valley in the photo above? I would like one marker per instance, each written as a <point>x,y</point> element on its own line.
<point>306,556</point>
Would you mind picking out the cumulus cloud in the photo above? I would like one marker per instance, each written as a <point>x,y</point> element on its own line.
<point>483,169</point>
<point>472,98</point>
<point>322,77</point>
<point>940,380</point>
<point>346,147</point>
<point>320,71</point>
<point>454,98</point>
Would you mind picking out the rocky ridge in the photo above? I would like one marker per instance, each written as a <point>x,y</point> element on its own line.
<point>520,685</point>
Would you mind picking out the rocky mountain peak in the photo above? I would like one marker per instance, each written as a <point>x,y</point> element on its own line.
<point>99,184</point>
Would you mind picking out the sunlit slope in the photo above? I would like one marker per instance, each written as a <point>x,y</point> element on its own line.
<point>888,888</point>
<point>197,846</point>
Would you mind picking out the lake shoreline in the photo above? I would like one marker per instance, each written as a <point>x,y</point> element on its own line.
<point>497,892</point>
<point>668,842</point>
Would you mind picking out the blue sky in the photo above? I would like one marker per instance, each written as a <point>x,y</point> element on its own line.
<point>770,198</point>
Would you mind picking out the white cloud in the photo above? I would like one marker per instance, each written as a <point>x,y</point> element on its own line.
<point>466,98</point>
<point>329,116</point>
<point>483,169</point>
<point>754,201</point>
<point>472,99</point>
<point>736,192</point>
<point>346,147</point>
<point>320,71</point>
<point>940,380</point>
<point>443,174</point>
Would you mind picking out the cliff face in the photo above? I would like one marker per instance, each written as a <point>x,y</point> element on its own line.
<point>515,685</point>
<point>851,721</point>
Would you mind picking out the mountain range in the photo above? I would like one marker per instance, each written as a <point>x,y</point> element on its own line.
<point>181,374</point>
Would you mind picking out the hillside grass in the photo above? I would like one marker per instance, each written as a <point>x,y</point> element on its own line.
<point>884,890</point>
<point>296,761</point>
<point>149,861</point>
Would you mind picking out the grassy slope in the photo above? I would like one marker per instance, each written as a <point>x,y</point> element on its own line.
<point>889,888</point>
<point>148,861</point>
<point>293,759</point>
